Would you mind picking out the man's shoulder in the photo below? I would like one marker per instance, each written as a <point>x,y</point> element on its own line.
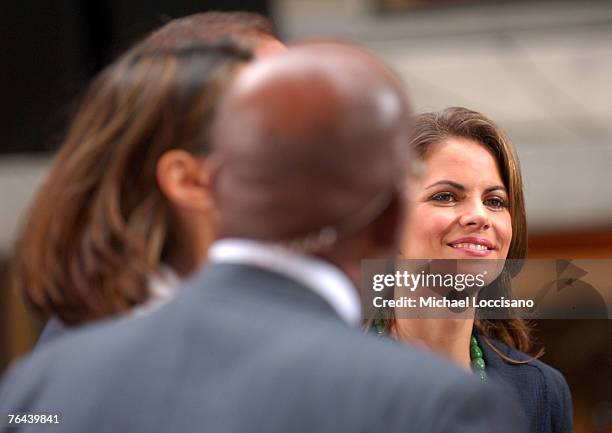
<point>317,364</point>
<point>383,356</point>
<point>433,392</point>
<point>100,368</point>
<point>86,347</point>
<point>356,362</point>
<point>304,358</point>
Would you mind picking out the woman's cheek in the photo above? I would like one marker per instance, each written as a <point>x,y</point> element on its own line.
<point>439,222</point>
<point>426,232</point>
<point>504,231</point>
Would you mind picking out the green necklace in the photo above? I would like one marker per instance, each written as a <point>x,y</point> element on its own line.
<point>476,356</point>
<point>478,363</point>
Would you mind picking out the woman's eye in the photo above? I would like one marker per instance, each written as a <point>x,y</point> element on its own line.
<point>444,197</point>
<point>496,202</point>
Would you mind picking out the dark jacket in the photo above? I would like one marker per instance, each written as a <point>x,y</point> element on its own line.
<point>543,392</point>
<point>246,350</point>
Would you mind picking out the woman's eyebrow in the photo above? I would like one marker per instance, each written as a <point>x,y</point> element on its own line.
<point>495,188</point>
<point>447,182</point>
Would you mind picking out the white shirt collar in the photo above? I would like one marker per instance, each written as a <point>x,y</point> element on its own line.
<point>164,284</point>
<point>321,277</point>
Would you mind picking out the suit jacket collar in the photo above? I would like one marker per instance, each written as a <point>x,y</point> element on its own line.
<point>318,276</point>
<point>258,287</point>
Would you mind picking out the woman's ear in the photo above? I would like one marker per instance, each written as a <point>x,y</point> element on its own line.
<point>185,180</point>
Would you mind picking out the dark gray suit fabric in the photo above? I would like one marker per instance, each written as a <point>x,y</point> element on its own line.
<point>245,350</point>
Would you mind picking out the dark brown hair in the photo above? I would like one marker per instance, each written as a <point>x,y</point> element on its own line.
<point>433,128</point>
<point>99,224</point>
<point>244,29</point>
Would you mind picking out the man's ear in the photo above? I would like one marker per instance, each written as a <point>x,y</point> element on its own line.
<point>185,180</point>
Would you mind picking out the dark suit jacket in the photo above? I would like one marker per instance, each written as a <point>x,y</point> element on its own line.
<point>245,350</point>
<point>542,390</point>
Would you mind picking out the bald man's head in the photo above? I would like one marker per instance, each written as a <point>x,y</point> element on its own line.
<point>308,139</point>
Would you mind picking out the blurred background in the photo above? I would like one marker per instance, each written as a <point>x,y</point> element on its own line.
<point>540,69</point>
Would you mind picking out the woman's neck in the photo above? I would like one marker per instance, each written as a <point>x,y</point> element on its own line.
<point>448,337</point>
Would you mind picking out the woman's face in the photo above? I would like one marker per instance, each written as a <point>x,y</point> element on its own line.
<point>459,207</point>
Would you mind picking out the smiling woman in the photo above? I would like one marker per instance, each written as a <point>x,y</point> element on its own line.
<point>461,204</point>
<point>468,204</point>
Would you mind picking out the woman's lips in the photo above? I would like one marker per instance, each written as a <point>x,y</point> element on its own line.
<point>471,251</point>
<point>477,247</point>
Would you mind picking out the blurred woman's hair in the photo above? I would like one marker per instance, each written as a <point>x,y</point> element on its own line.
<point>244,29</point>
<point>99,225</point>
<point>434,128</point>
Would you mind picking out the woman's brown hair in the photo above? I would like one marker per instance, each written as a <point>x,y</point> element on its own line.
<point>99,225</point>
<point>433,128</point>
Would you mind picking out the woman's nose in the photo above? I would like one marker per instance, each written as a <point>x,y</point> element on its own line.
<point>475,216</point>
